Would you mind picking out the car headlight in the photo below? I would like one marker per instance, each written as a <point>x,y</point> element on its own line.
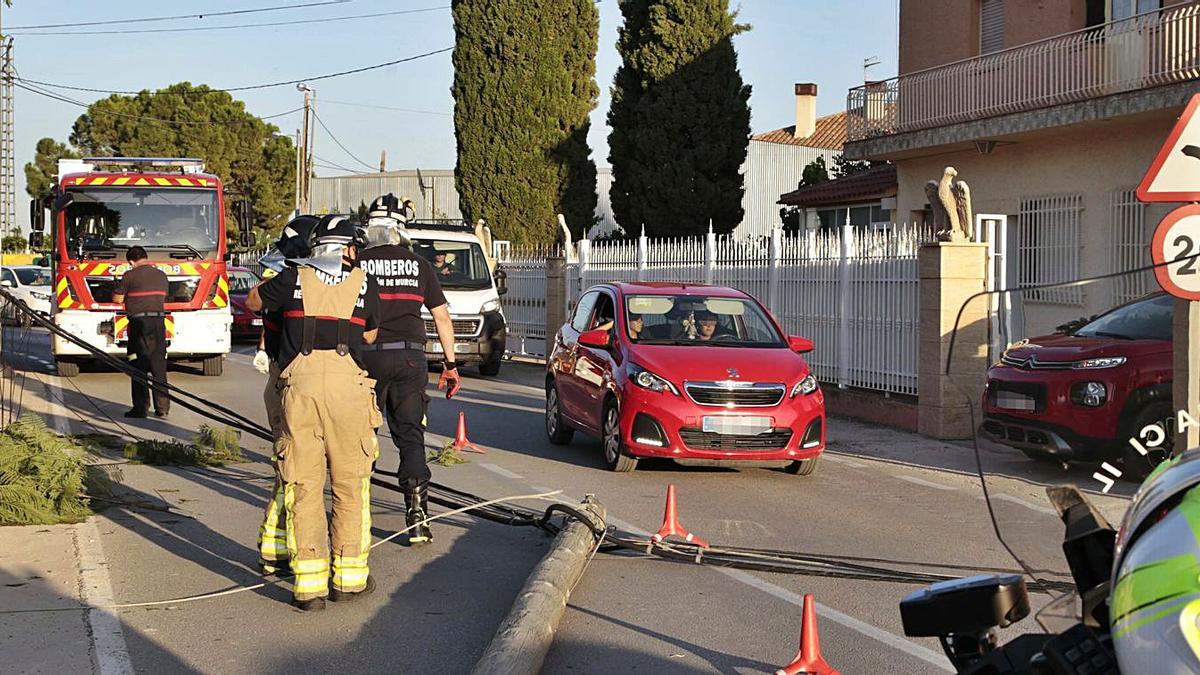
<point>490,306</point>
<point>806,386</point>
<point>1090,394</point>
<point>648,380</point>
<point>1106,362</point>
<point>43,297</point>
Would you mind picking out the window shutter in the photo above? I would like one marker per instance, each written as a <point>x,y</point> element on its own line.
<point>991,26</point>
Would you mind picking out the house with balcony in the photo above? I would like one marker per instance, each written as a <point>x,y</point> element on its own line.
<point>1051,112</point>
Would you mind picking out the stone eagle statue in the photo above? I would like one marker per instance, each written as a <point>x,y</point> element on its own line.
<point>950,201</point>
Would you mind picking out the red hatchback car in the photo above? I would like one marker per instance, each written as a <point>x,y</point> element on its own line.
<point>685,372</point>
<point>1082,395</point>
<point>246,324</point>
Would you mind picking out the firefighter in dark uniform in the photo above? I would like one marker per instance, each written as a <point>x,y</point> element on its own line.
<point>143,290</point>
<point>330,311</point>
<point>397,359</point>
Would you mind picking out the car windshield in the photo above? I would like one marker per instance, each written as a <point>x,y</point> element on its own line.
<point>699,320</point>
<point>1145,319</point>
<point>241,281</point>
<point>103,219</point>
<point>34,276</point>
<point>457,264</point>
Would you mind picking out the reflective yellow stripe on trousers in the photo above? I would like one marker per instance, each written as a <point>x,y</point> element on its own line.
<point>350,572</point>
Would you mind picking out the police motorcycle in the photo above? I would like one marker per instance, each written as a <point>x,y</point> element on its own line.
<point>1135,607</point>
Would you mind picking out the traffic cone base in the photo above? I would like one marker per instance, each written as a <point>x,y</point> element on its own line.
<point>671,524</point>
<point>808,660</point>
<point>460,437</point>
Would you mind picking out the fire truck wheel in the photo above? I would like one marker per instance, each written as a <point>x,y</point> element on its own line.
<point>213,365</point>
<point>66,368</point>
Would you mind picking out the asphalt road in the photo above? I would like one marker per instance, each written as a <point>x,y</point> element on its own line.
<point>877,494</point>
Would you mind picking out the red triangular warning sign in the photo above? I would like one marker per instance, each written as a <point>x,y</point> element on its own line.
<point>1174,176</point>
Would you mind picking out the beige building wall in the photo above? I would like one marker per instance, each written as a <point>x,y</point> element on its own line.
<point>1091,161</point>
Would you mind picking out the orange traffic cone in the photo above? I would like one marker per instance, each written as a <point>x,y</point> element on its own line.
<point>808,660</point>
<point>460,437</point>
<point>671,524</point>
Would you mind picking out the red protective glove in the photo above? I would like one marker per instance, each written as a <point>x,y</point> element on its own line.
<point>450,381</point>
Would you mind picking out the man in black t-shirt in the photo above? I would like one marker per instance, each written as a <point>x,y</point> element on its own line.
<point>143,290</point>
<point>330,310</point>
<point>397,359</point>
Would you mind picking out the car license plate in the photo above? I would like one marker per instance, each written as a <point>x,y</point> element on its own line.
<point>739,425</point>
<point>1013,401</point>
<point>256,322</point>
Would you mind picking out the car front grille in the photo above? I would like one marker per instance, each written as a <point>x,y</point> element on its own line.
<point>736,394</point>
<point>1032,363</point>
<point>101,289</point>
<point>697,439</point>
<point>462,327</point>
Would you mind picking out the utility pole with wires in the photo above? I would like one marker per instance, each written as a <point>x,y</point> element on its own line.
<point>299,171</point>
<point>309,133</point>
<point>8,172</point>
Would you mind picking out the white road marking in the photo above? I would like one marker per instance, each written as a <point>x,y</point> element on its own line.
<point>500,404</point>
<point>925,483</point>
<point>889,639</point>
<point>1017,500</point>
<point>504,472</point>
<point>837,459</point>
<point>108,640</point>
<point>895,641</point>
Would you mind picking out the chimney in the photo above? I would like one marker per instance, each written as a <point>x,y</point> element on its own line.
<point>806,109</point>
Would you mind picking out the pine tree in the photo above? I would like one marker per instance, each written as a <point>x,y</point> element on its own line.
<point>680,118</point>
<point>524,84</point>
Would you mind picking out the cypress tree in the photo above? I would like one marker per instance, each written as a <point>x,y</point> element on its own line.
<point>524,84</point>
<point>680,118</point>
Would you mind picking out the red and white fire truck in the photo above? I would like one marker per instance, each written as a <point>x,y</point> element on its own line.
<point>101,207</point>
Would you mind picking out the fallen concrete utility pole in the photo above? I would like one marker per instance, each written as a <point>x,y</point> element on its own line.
<point>524,637</point>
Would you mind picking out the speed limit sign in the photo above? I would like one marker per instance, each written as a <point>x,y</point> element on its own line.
<point>1178,238</point>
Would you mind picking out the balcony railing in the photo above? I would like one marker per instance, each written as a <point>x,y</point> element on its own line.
<point>1148,50</point>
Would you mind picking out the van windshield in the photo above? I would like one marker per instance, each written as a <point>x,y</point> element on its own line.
<point>457,264</point>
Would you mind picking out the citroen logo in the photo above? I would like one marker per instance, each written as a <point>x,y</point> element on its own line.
<point>733,373</point>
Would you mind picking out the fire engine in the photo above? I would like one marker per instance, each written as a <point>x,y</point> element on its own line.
<point>101,207</point>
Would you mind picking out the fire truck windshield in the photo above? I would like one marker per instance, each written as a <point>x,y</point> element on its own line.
<point>103,219</point>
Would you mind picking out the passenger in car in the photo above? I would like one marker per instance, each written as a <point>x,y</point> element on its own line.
<point>635,326</point>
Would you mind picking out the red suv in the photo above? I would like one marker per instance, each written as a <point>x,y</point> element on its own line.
<point>1083,394</point>
<point>686,372</point>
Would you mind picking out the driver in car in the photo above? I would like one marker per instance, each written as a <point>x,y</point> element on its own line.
<point>440,265</point>
<point>706,325</point>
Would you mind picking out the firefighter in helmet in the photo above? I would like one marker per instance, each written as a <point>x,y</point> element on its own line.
<point>396,361</point>
<point>330,311</point>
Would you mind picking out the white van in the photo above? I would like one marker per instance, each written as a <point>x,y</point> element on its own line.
<point>472,288</point>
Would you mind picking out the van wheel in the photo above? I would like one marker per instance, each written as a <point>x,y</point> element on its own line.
<point>1138,466</point>
<point>490,368</point>
<point>557,431</point>
<point>802,467</point>
<point>614,457</point>
<point>213,365</point>
<point>66,368</point>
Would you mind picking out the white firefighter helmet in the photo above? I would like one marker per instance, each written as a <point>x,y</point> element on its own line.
<point>1154,606</point>
<point>328,243</point>
<point>386,221</point>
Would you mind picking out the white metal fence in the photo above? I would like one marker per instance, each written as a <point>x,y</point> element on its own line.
<point>853,292</point>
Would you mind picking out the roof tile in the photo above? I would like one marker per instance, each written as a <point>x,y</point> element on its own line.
<point>830,133</point>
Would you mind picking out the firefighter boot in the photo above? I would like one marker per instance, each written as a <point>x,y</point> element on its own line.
<point>416,503</point>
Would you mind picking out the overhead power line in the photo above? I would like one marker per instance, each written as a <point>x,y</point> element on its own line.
<point>388,107</point>
<point>311,78</point>
<point>339,143</point>
<point>327,164</point>
<point>114,113</point>
<point>200,15</point>
<point>269,24</point>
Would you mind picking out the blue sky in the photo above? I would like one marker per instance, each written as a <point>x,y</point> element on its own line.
<point>822,41</point>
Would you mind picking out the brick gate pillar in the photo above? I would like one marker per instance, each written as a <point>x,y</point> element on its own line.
<point>949,274</point>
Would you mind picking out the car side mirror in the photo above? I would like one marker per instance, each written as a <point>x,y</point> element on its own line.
<point>599,339</point>
<point>247,239</point>
<point>501,278</point>
<point>245,216</point>
<point>37,215</point>
<point>36,239</point>
<point>6,283</point>
<point>800,345</point>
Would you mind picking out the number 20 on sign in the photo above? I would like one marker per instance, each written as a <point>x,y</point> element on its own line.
<point>1178,238</point>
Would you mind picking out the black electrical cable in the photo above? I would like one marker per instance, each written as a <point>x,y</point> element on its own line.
<point>267,24</point>
<point>198,15</point>
<point>339,143</point>
<point>313,78</point>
